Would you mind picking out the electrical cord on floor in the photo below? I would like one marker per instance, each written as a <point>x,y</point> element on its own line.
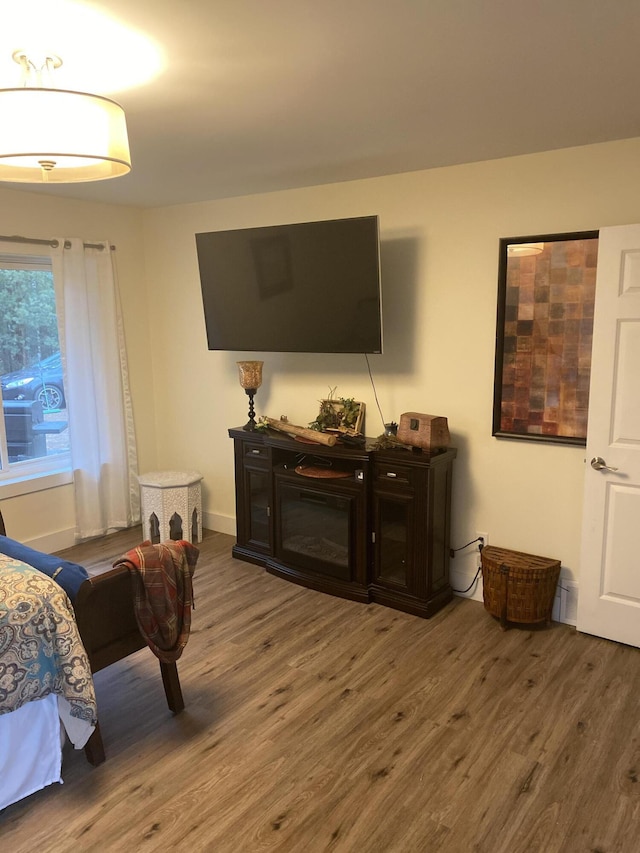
<point>473,582</point>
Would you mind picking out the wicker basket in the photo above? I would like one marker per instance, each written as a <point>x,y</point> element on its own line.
<point>518,587</point>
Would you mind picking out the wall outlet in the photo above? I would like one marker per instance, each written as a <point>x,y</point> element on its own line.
<point>485,540</point>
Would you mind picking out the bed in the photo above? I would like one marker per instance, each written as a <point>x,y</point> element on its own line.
<point>88,628</point>
<point>45,680</point>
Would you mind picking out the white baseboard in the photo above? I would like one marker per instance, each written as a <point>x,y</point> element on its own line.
<point>565,604</point>
<point>60,540</point>
<point>52,542</point>
<point>219,523</point>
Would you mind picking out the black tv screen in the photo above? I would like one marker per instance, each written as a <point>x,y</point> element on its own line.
<point>304,287</point>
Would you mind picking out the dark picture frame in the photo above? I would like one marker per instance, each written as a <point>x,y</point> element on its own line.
<point>544,329</point>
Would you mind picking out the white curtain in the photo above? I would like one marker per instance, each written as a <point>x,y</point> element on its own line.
<point>101,429</point>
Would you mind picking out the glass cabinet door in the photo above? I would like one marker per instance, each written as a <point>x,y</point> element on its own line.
<point>392,540</point>
<point>258,508</point>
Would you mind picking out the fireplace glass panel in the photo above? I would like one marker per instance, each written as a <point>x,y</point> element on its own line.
<point>315,530</point>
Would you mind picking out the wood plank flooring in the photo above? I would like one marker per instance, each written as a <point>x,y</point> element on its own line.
<point>317,724</point>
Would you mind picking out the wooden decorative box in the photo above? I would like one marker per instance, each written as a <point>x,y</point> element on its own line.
<point>518,587</point>
<point>429,432</point>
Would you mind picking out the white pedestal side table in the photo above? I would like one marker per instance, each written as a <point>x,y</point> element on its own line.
<point>171,505</point>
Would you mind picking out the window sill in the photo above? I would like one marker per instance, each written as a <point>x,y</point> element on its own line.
<point>26,484</point>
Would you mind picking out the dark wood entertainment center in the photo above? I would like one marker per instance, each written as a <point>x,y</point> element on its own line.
<point>370,525</point>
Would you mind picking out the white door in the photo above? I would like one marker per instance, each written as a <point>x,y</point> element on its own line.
<point>609,598</point>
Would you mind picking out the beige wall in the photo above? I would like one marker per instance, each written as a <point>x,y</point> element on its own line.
<point>47,517</point>
<point>439,232</point>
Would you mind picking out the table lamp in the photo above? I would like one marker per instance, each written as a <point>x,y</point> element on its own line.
<point>250,374</point>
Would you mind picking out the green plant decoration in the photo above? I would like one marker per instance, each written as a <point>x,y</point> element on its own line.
<point>341,415</point>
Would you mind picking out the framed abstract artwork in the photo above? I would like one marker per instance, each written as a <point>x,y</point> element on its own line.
<point>546,294</point>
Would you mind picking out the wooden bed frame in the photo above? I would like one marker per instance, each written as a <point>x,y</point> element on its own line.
<point>109,631</point>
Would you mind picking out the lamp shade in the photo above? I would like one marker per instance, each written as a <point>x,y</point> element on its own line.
<point>58,136</point>
<point>250,374</point>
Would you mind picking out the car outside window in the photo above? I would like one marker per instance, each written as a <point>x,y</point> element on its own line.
<point>34,434</point>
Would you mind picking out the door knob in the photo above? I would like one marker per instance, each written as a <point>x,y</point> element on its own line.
<point>599,464</point>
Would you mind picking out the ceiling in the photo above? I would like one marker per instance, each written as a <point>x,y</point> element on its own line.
<point>261,95</point>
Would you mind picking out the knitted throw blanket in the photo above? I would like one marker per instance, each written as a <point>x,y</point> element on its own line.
<point>163,594</point>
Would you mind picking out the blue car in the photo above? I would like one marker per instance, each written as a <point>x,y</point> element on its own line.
<point>41,381</point>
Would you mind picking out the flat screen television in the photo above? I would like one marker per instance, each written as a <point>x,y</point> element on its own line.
<point>303,287</point>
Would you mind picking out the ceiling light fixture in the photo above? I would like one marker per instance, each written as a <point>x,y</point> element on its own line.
<point>56,136</point>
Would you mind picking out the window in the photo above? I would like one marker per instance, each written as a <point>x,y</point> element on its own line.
<point>34,434</point>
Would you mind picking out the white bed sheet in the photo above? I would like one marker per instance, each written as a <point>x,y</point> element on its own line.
<point>31,740</point>
<point>30,749</point>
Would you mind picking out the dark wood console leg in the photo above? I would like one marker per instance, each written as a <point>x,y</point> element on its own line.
<point>94,748</point>
<point>172,689</point>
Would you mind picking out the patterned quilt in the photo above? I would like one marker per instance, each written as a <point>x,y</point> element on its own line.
<point>40,648</point>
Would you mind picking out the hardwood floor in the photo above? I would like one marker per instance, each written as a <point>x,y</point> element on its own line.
<point>317,724</point>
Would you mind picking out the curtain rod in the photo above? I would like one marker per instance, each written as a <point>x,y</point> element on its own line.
<point>53,243</point>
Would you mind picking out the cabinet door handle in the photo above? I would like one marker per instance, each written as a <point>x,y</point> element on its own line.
<point>256,452</point>
<point>391,474</point>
